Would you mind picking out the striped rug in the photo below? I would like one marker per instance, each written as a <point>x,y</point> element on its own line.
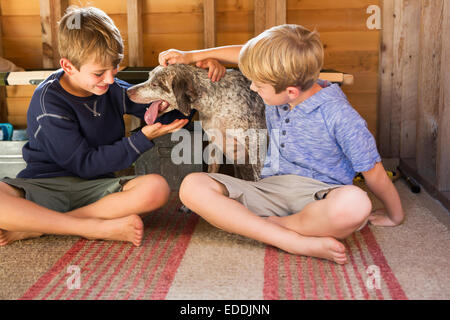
<point>366,277</point>
<point>117,270</point>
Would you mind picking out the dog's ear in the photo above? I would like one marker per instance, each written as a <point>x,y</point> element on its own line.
<point>184,92</point>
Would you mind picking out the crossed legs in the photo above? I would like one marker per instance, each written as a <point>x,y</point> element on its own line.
<point>114,217</point>
<point>312,232</point>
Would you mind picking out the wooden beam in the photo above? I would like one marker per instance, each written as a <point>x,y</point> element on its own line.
<point>280,12</point>
<point>405,81</point>
<point>259,16</point>
<point>47,34</point>
<point>135,40</point>
<point>443,150</point>
<point>58,9</point>
<point>428,88</point>
<point>209,19</point>
<point>269,13</point>
<point>385,79</point>
<point>51,12</point>
<point>135,45</point>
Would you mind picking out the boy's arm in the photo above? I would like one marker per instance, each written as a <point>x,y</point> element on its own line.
<point>225,54</point>
<point>379,183</point>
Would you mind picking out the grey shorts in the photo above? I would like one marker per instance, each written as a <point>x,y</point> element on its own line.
<point>64,194</point>
<point>276,195</point>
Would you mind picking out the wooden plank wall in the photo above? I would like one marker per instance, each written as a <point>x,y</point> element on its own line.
<point>349,45</point>
<point>414,91</point>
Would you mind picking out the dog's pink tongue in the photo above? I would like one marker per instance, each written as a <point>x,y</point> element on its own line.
<point>152,112</point>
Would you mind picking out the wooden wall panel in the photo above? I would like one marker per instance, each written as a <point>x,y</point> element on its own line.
<point>328,4</point>
<point>406,67</point>
<point>3,106</point>
<point>428,91</point>
<point>349,46</point>
<point>134,36</point>
<point>209,23</point>
<point>443,150</point>
<point>386,73</point>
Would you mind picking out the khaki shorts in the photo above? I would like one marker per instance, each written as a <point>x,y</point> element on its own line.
<point>276,195</point>
<point>64,194</point>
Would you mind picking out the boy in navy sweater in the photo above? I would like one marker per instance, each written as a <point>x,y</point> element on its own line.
<point>76,131</point>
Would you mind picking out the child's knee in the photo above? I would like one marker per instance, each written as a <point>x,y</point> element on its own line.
<point>350,205</point>
<point>189,185</point>
<point>157,190</point>
<point>196,184</point>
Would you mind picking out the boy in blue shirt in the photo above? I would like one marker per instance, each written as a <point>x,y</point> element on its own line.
<point>76,142</point>
<point>305,201</point>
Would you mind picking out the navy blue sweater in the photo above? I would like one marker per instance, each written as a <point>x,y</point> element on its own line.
<point>84,137</point>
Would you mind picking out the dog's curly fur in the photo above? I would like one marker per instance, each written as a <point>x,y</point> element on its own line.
<point>225,104</point>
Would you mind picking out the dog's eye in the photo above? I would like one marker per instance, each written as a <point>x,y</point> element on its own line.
<point>154,85</point>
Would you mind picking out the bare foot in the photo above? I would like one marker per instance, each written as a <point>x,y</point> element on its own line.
<point>7,237</point>
<point>130,228</point>
<point>320,247</point>
<point>325,247</point>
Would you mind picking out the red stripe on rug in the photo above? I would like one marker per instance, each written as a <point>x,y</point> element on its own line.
<point>141,251</point>
<point>97,280</point>
<point>85,267</point>
<point>301,283</point>
<point>324,281</point>
<point>270,291</point>
<point>126,256</point>
<point>356,271</point>
<point>116,271</point>
<point>311,277</point>
<point>43,281</point>
<point>347,280</point>
<point>364,261</point>
<point>144,268</point>
<point>288,277</point>
<point>94,269</point>
<point>61,280</point>
<point>336,282</point>
<point>159,259</point>
<point>167,276</point>
<point>394,286</point>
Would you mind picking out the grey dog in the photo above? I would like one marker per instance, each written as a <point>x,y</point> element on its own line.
<point>222,106</point>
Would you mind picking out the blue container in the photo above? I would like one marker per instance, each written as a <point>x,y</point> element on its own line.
<point>6,131</point>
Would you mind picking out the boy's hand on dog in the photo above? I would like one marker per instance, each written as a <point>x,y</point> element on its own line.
<point>174,56</point>
<point>215,69</point>
<point>157,129</point>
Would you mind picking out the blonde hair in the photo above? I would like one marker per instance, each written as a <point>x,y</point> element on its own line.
<point>283,56</point>
<point>86,33</point>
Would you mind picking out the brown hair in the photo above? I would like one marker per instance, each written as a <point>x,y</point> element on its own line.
<point>86,33</point>
<point>283,56</point>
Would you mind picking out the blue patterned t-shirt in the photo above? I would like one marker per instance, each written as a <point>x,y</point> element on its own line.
<point>322,138</point>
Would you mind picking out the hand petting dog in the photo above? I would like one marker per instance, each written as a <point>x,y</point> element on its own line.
<point>215,69</point>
